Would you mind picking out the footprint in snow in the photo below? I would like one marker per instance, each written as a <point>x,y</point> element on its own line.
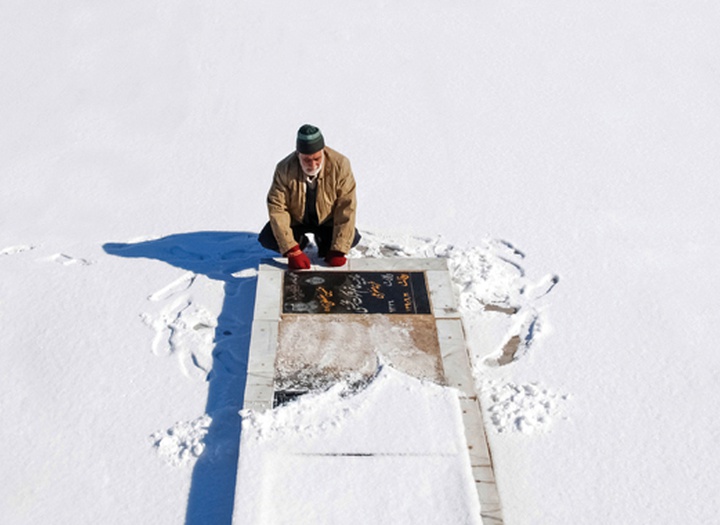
<point>183,329</point>
<point>540,289</point>
<point>177,286</point>
<point>67,260</point>
<point>14,250</point>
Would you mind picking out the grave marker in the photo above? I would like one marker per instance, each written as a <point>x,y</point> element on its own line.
<point>314,328</point>
<point>342,292</point>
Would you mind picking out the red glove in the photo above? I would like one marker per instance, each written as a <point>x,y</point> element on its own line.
<point>297,260</point>
<point>335,258</point>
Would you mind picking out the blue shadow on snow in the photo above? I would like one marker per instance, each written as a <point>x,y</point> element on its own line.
<point>217,255</point>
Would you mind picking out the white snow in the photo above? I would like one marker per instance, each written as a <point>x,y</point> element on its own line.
<point>393,453</point>
<point>563,156</point>
<point>523,408</point>
<point>183,442</point>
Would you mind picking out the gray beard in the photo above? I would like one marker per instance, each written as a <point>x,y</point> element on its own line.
<point>315,173</point>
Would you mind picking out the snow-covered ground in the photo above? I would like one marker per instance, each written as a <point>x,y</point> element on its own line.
<point>521,140</point>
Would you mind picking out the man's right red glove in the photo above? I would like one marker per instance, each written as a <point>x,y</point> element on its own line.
<point>297,260</point>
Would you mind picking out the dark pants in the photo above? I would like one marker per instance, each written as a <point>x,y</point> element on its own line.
<point>323,236</point>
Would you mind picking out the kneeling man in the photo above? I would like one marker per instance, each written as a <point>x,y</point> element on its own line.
<point>313,191</point>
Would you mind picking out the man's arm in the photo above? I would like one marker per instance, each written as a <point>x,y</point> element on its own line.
<point>279,215</point>
<point>344,214</point>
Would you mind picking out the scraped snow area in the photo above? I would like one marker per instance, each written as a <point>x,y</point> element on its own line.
<point>562,156</point>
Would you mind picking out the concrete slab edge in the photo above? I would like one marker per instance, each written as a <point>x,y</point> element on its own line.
<point>458,373</point>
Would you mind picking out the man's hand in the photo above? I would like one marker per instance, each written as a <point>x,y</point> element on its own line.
<point>335,258</point>
<point>297,260</point>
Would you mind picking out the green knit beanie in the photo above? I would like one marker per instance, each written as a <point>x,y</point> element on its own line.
<point>309,140</point>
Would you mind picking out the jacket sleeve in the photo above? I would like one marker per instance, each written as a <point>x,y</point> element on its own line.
<point>277,203</point>
<point>344,212</point>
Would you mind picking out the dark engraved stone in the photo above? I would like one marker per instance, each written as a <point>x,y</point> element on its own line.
<point>284,397</point>
<point>355,293</point>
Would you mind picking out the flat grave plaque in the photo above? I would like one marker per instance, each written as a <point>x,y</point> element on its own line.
<point>338,292</point>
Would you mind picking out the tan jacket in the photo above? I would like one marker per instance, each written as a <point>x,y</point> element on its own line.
<point>335,199</point>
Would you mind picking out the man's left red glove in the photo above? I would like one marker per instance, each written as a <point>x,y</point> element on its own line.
<point>335,258</point>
